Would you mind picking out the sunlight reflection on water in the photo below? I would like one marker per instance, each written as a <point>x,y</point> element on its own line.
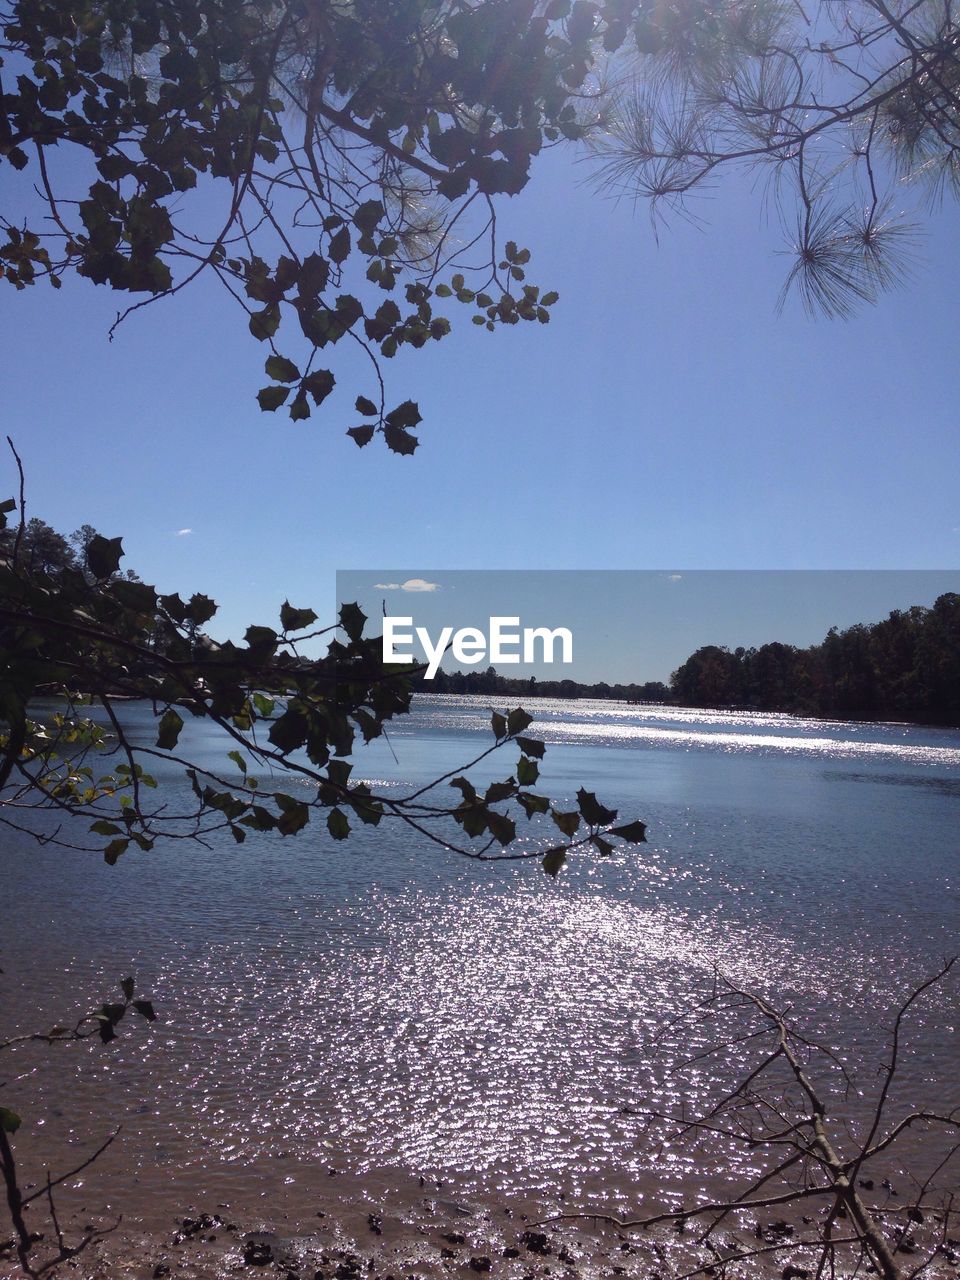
<point>380,1007</point>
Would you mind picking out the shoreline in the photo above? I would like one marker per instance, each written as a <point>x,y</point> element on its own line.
<point>426,1233</point>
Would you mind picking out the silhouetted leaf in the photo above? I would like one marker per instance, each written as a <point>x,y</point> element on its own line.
<point>400,441</point>
<point>635,832</point>
<point>292,619</point>
<point>171,723</point>
<point>271,398</point>
<point>553,861</point>
<point>264,324</point>
<point>337,824</point>
<point>201,609</point>
<point>104,555</point>
<point>502,828</point>
<point>593,811</point>
<point>352,619</point>
<point>9,1120</point>
<point>299,407</point>
<point>280,369</point>
<point>567,822</point>
<point>518,720</point>
<point>362,435</point>
<point>319,384</point>
<point>527,772</point>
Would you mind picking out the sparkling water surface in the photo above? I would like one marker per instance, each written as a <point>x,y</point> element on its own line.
<point>391,1010</point>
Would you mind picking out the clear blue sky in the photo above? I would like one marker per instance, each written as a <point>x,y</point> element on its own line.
<point>666,418</point>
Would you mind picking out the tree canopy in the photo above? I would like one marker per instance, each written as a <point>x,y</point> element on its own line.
<point>336,165</point>
<point>850,113</point>
<point>350,152</point>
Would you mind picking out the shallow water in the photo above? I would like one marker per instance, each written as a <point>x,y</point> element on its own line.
<point>389,1010</point>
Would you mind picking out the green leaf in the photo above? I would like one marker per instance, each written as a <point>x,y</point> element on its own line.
<point>498,724</point>
<point>9,1120</point>
<point>364,406</point>
<point>293,819</point>
<point>113,851</point>
<point>473,820</point>
<point>202,608</point>
<point>271,398</point>
<point>367,215</point>
<point>532,747</point>
<point>263,640</point>
<point>337,824</point>
<point>406,414</point>
<point>593,811</point>
<point>400,441</point>
<point>319,384</point>
<point>299,409</point>
<point>104,828</point>
<point>362,435</point>
<point>553,861</point>
<point>518,720</point>
<point>292,619</point>
<point>238,760</point>
<point>136,596</point>
<point>264,324</point>
<point>502,828</point>
<point>550,298</point>
<point>532,804</point>
<point>104,555</point>
<point>498,791</point>
<point>289,731</point>
<point>280,369</point>
<point>635,832</point>
<point>259,819</point>
<point>339,246</point>
<point>106,1030</point>
<point>527,772</point>
<point>170,725</point>
<point>465,787</point>
<point>605,847</point>
<point>264,705</point>
<point>145,1009</point>
<point>352,619</point>
<point>126,986</point>
<point>567,822</point>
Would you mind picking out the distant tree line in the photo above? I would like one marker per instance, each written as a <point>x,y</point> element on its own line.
<point>906,667</point>
<point>490,682</point>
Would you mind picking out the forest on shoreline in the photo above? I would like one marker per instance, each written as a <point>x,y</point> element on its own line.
<point>905,667</point>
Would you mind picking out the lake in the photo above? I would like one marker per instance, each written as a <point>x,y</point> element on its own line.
<point>393,1012</point>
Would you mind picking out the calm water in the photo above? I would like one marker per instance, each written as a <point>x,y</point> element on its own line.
<point>388,1009</point>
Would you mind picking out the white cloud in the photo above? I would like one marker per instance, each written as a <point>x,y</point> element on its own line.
<point>411,584</point>
<point>182,533</point>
